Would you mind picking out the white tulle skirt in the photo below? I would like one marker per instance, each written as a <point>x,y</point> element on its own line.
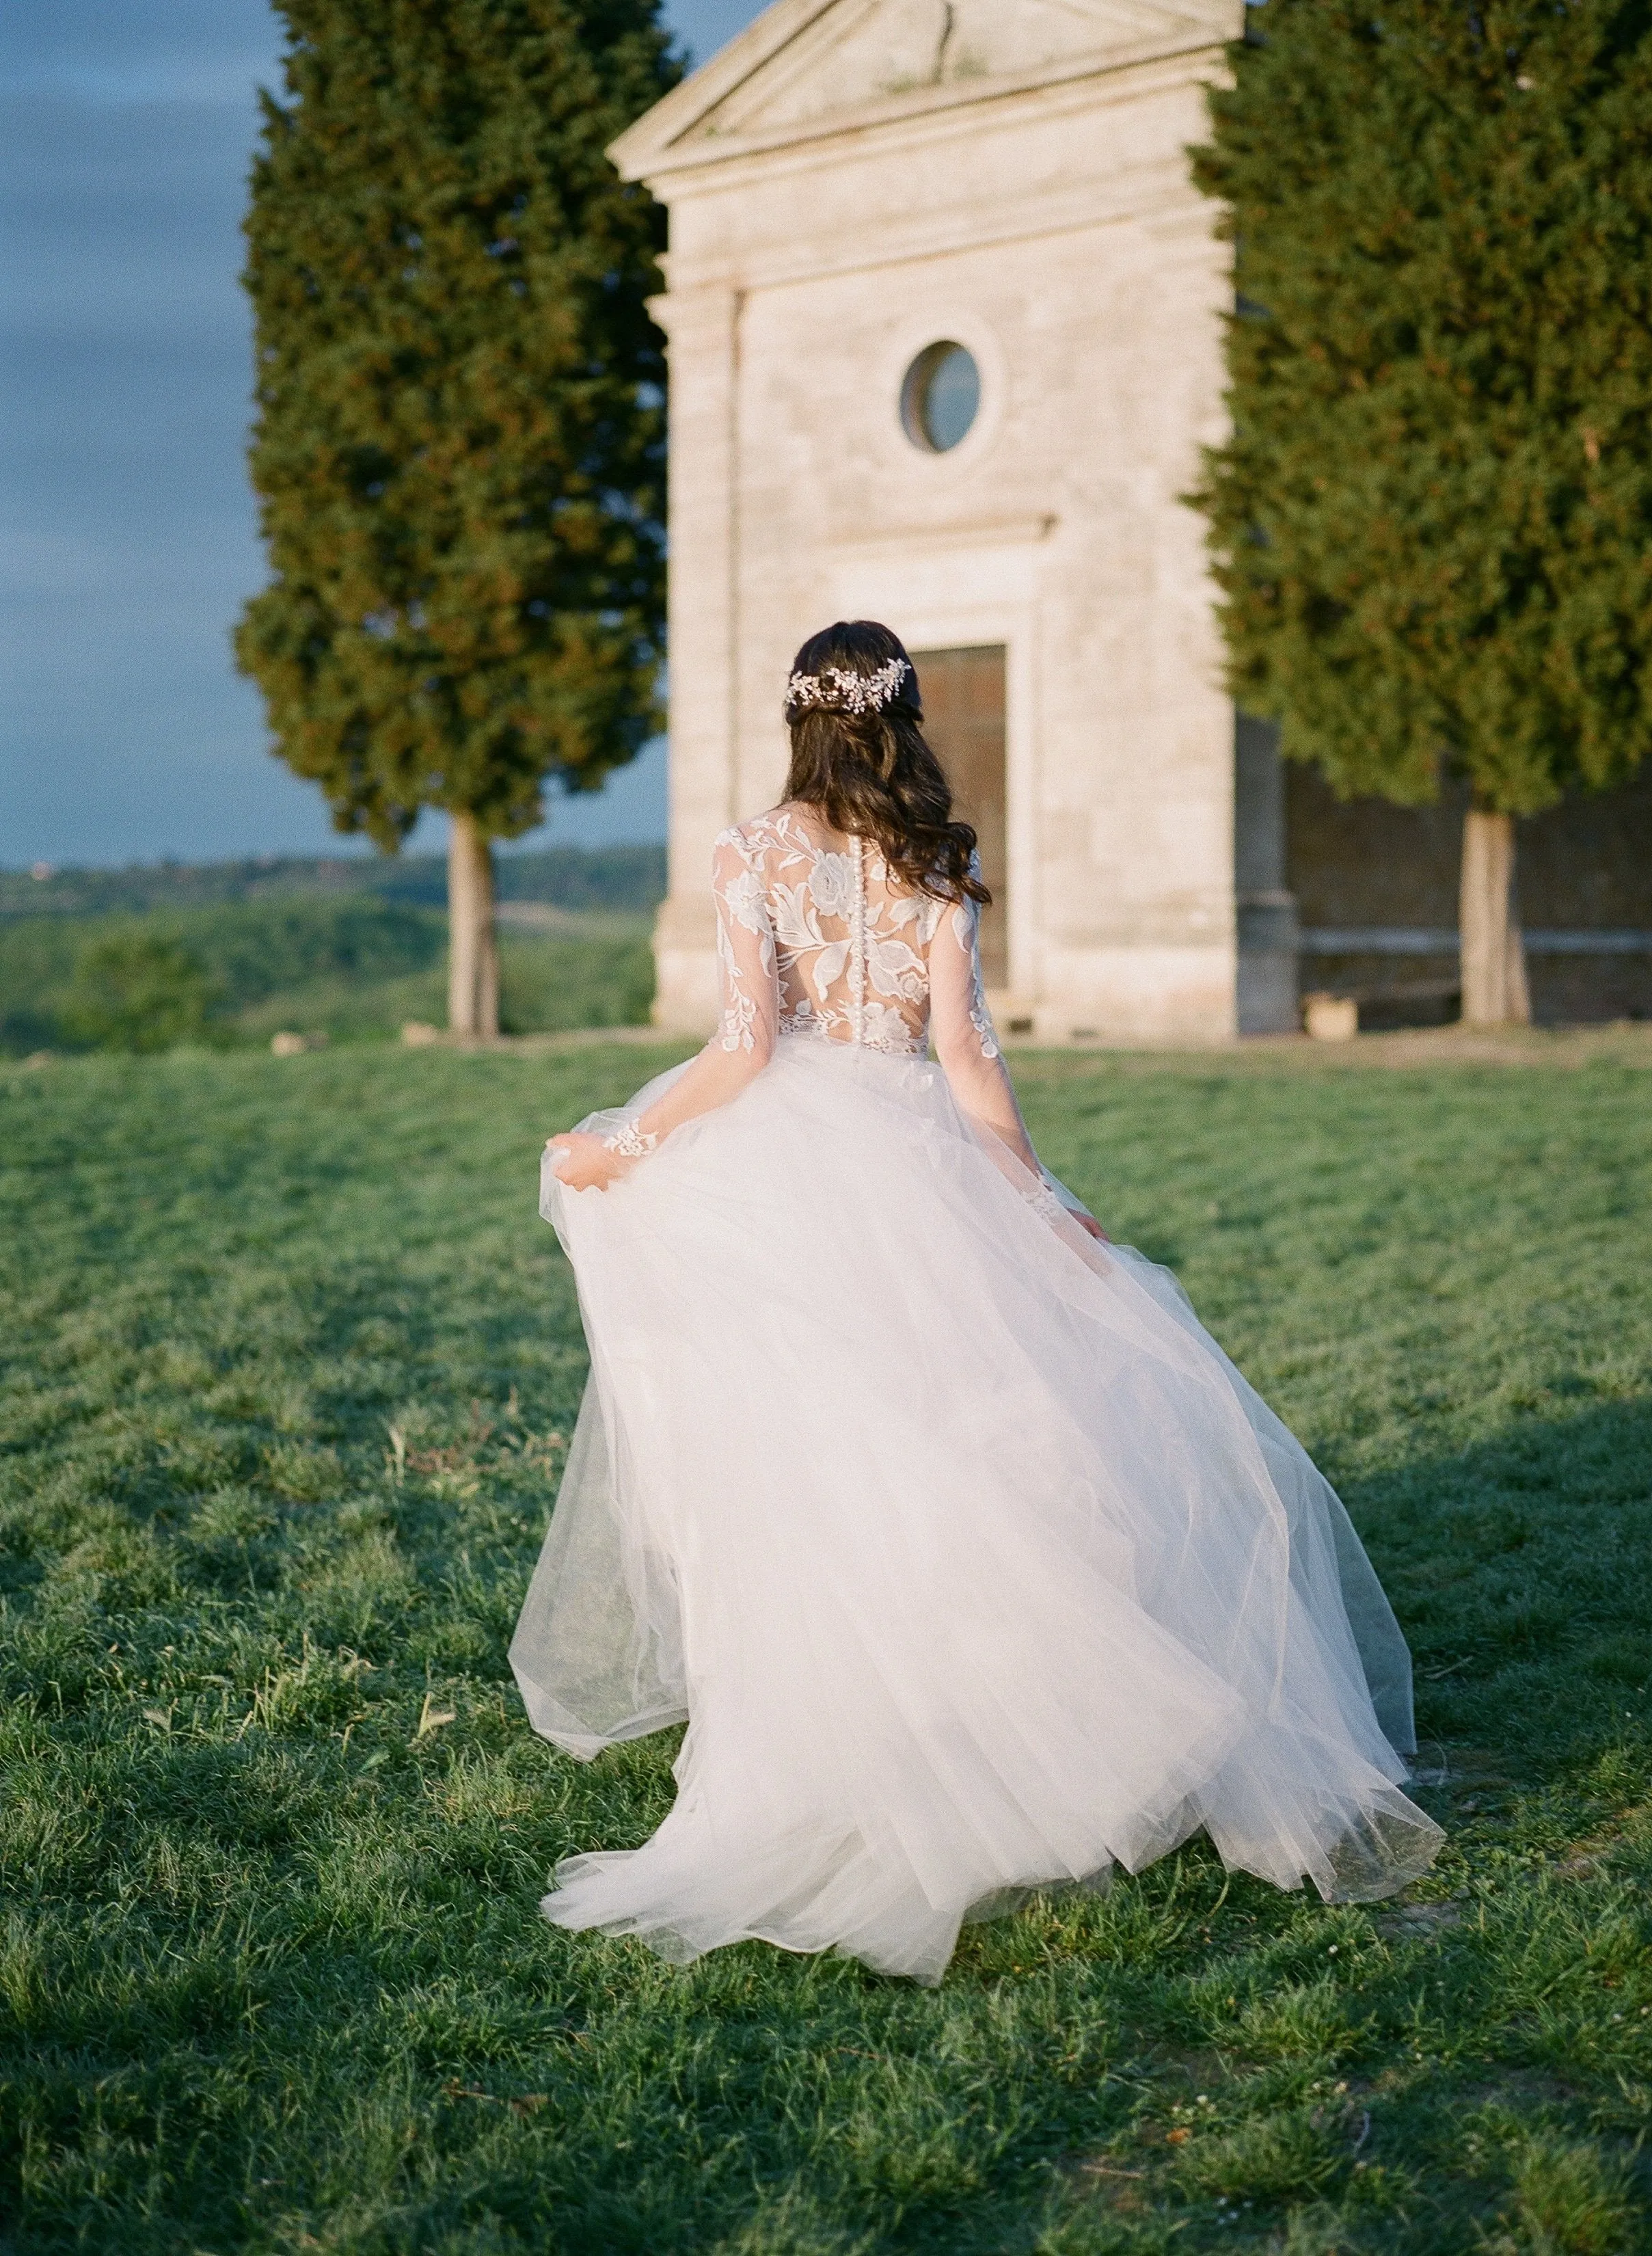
<point>971,1561</point>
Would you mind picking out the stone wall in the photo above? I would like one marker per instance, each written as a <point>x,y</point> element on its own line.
<point>1585,877</point>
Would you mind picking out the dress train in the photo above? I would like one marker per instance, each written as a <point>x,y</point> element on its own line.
<point>972,1562</point>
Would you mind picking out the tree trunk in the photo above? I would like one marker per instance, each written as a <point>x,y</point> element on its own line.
<point>472,957</point>
<point>1493,954</point>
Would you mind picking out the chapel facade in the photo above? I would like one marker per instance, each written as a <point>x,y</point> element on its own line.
<point>944,321</point>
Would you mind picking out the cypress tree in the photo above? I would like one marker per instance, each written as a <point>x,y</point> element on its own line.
<point>460,442</point>
<point>1432,521</point>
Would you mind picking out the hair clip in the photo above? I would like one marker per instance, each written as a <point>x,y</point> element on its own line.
<point>840,690</point>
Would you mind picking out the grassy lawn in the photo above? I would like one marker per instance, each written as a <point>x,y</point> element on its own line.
<point>286,1361</point>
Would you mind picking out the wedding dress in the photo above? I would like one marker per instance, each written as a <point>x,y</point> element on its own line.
<point>971,1561</point>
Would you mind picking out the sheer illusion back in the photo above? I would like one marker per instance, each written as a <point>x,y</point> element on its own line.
<point>816,936</point>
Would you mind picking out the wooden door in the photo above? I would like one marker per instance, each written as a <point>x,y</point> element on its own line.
<point>964,720</point>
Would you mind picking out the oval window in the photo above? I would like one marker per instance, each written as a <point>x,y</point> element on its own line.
<point>940,397</point>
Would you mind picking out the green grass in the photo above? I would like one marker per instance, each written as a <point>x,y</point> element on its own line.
<point>274,1829</point>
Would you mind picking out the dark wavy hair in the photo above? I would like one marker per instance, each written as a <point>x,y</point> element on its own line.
<point>871,774</point>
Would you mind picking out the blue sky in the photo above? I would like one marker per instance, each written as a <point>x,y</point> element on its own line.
<point>127,532</point>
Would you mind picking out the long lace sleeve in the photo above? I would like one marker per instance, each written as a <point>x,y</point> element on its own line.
<point>747,971</point>
<point>961,1032</point>
<point>963,1037</point>
<point>744,1041</point>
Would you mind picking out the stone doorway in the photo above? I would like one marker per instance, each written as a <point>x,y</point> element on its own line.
<point>963,707</point>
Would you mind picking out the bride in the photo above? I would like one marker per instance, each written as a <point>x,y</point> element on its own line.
<point>971,1561</point>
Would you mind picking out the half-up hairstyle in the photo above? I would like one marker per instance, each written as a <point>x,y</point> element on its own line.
<point>858,753</point>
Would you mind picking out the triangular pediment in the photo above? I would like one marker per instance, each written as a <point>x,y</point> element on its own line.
<point>804,64</point>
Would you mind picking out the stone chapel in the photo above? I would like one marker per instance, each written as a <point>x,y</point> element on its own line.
<point>943,314</point>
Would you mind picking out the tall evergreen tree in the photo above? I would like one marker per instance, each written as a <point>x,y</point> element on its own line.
<point>1432,522</point>
<point>460,444</point>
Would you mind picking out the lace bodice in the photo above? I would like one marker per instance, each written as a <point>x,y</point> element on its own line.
<point>823,941</point>
<point>817,941</point>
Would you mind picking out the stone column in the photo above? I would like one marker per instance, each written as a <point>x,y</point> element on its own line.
<point>1267,910</point>
<point>703,328</point>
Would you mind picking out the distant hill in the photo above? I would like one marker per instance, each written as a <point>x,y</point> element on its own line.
<point>622,880</point>
<point>349,947</point>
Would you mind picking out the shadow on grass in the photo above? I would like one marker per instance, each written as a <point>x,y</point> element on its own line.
<point>1522,1572</point>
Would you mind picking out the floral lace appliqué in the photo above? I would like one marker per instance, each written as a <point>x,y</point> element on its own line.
<point>965,923</point>
<point>802,897</point>
<point>741,902</point>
